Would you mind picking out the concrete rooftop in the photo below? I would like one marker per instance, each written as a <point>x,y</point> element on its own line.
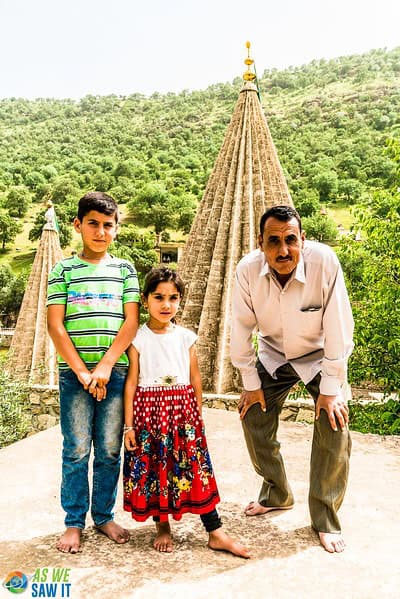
<point>287,561</point>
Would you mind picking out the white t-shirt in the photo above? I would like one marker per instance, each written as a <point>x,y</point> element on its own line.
<point>164,359</point>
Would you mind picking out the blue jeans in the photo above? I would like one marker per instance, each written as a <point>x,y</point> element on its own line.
<point>85,421</point>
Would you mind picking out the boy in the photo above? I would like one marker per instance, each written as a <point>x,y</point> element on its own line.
<point>93,315</point>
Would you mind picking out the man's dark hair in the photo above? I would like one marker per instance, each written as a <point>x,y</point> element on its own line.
<point>99,201</point>
<point>283,213</point>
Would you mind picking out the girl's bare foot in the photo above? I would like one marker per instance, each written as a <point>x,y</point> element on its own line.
<point>163,541</point>
<point>70,541</point>
<point>332,542</point>
<point>115,532</point>
<point>220,541</point>
<point>256,509</point>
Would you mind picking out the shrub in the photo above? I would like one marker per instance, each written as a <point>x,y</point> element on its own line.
<point>14,418</point>
<point>378,418</point>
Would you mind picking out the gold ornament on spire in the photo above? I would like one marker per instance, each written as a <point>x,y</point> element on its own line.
<point>248,75</point>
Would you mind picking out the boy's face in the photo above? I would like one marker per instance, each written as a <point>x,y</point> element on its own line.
<point>98,231</point>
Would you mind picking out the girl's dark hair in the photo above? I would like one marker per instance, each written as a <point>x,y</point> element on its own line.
<point>162,275</point>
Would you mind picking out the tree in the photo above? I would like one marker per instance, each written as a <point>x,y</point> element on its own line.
<point>327,185</point>
<point>64,188</point>
<point>375,291</point>
<point>152,207</point>
<point>137,246</point>
<point>9,228</point>
<point>320,227</point>
<point>351,190</point>
<point>64,218</point>
<point>12,288</point>
<point>18,201</point>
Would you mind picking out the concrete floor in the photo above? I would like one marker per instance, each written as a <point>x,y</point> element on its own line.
<point>287,561</point>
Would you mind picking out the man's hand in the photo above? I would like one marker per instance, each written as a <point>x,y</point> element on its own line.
<point>334,405</point>
<point>248,399</point>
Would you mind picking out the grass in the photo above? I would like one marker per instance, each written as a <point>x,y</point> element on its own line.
<point>340,213</point>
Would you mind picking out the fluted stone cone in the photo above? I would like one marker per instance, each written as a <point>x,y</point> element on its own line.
<point>247,179</point>
<point>32,356</point>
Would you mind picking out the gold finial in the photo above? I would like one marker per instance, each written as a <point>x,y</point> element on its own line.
<point>248,75</point>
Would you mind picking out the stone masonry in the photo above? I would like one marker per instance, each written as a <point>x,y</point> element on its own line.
<point>246,180</point>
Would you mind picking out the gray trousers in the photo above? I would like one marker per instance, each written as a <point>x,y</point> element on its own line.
<point>330,452</point>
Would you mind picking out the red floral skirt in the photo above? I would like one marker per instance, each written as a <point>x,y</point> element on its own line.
<point>170,471</point>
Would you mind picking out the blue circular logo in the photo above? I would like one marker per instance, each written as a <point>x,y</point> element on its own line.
<point>16,582</point>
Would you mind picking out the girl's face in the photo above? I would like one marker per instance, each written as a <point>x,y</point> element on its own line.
<point>163,302</point>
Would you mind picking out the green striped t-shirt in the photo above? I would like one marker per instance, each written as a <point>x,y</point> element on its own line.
<point>94,296</point>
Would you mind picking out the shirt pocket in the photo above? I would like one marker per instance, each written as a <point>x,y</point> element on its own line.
<point>310,321</point>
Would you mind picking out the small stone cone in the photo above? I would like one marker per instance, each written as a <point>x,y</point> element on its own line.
<point>32,356</point>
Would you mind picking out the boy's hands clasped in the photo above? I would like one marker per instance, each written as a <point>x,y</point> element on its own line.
<point>95,381</point>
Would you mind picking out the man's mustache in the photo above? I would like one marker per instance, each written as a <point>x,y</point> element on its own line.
<point>283,258</point>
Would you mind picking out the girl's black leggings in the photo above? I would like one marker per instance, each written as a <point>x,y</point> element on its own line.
<point>211,520</point>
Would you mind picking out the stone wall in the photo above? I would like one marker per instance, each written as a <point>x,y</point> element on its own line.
<point>44,406</point>
<point>295,410</point>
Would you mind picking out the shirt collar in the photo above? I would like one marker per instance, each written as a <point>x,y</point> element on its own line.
<point>299,272</point>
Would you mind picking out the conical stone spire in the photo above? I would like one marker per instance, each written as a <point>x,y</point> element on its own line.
<point>32,356</point>
<point>247,179</point>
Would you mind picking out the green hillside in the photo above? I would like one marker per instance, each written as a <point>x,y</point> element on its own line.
<point>329,120</point>
<point>336,127</point>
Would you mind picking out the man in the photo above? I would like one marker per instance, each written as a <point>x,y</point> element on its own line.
<point>293,291</point>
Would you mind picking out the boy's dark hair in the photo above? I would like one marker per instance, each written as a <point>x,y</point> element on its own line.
<point>99,201</point>
<point>281,212</point>
<point>162,275</point>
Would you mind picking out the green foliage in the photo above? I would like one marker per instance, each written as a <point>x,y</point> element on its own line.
<point>14,416</point>
<point>378,418</point>
<point>65,215</point>
<point>18,201</point>
<point>12,289</point>
<point>152,208</point>
<point>372,268</point>
<point>320,227</point>
<point>136,246</point>
<point>330,121</point>
<point>9,228</point>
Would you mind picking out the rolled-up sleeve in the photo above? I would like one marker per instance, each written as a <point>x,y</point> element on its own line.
<point>243,354</point>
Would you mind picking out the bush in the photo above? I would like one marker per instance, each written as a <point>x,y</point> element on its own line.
<point>14,418</point>
<point>378,418</point>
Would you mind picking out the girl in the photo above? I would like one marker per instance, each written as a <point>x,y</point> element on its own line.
<point>167,467</point>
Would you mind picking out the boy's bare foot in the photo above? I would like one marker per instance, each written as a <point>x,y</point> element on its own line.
<point>256,509</point>
<point>163,541</point>
<point>70,541</point>
<point>114,531</point>
<point>332,542</point>
<point>220,541</point>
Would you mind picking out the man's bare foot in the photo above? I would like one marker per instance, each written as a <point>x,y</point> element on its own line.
<point>70,541</point>
<point>256,509</point>
<point>220,541</point>
<point>163,541</point>
<point>114,531</point>
<point>332,542</point>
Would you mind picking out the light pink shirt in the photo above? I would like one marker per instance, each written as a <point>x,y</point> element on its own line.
<point>308,323</point>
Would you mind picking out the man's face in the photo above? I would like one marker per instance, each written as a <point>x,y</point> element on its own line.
<point>282,243</point>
